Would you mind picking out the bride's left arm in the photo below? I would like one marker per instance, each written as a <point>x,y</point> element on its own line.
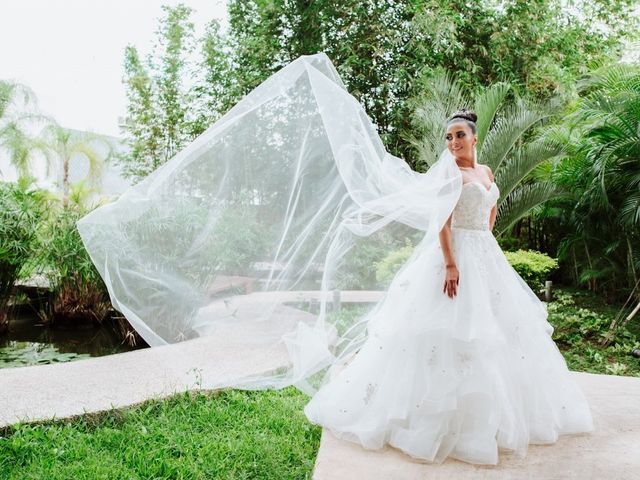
<point>494,209</point>
<point>492,217</point>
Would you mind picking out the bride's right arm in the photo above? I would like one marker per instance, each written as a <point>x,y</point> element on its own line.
<point>445,243</point>
<point>452,277</point>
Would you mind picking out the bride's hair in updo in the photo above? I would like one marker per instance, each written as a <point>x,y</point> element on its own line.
<point>468,116</point>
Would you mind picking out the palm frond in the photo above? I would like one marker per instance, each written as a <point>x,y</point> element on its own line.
<point>442,95</point>
<point>509,128</point>
<point>523,161</point>
<point>610,77</point>
<point>486,107</point>
<point>520,201</point>
<point>94,158</point>
<point>630,210</point>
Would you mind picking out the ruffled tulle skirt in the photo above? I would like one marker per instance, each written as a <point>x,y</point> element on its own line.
<point>460,377</point>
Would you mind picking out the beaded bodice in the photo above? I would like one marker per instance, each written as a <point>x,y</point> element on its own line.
<point>474,206</point>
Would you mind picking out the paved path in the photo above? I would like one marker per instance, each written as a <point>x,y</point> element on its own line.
<point>610,452</point>
<point>100,383</point>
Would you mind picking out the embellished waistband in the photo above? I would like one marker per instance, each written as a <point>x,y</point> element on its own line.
<point>469,229</point>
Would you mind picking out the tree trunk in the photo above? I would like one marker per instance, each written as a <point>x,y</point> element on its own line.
<point>592,281</point>
<point>65,182</point>
<point>630,257</point>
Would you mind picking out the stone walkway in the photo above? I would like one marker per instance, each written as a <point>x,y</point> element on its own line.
<point>100,383</point>
<point>611,452</point>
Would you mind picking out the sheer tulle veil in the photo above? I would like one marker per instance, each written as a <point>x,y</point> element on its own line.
<point>266,232</point>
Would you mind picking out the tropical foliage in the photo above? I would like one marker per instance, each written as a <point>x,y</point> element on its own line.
<point>63,145</point>
<point>597,222</point>
<point>379,47</point>
<point>77,292</point>
<point>581,327</point>
<point>18,116</point>
<point>387,268</point>
<point>21,209</point>
<point>158,120</point>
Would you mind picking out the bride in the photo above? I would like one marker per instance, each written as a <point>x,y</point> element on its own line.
<point>461,374</point>
<point>257,240</point>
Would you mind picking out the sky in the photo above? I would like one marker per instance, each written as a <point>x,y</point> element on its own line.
<point>70,52</point>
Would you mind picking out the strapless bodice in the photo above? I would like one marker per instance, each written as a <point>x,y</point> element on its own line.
<point>474,206</point>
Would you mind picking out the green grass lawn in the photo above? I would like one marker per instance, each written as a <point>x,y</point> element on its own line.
<point>235,434</point>
<point>230,434</point>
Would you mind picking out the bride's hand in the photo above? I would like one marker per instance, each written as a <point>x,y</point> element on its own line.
<point>451,281</point>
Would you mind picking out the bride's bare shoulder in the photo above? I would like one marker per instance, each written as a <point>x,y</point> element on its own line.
<point>488,169</point>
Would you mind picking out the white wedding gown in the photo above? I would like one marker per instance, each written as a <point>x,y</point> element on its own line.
<point>457,377</point>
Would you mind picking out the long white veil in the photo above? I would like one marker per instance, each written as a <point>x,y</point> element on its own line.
<point>265,230</point>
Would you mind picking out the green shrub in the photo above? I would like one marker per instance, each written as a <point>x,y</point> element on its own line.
<point>534,267</point>
<point>21,207</point>
<point>360,268</point>
<point>358,272</point>
<point>239,239</point>
<point>509,243</point>
<point>389,265</point>
<point>78,293</point>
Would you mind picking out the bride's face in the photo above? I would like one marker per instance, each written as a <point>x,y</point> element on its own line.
<point>461,140</point>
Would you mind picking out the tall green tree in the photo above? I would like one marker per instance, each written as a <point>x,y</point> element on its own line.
<point>158,122</point>
<point>366,40</point>
<point>382,47</point>
<point>215,90</point>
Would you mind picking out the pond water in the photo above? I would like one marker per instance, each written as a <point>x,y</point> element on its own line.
<point>29,342</point>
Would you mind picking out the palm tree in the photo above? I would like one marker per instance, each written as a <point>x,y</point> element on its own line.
<point>17,116</point>
<point>603,171</point>
<point>66,144</point>
<point>506,140</point>
<point>610,117</point>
